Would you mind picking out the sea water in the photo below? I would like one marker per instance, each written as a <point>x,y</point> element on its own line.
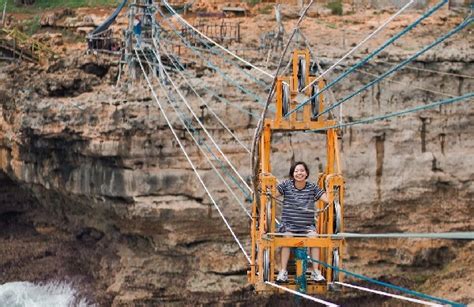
<point>27,294</point>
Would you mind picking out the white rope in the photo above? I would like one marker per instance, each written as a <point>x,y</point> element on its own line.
<point>207,132</point>
<point>360,44</point>
<point>203,152</point>
<point>212,41</point>
<point>188,158</point>
<point>202,100</point>
<point>388,294</point>
<point>429,235</point>
<point>301,294</point>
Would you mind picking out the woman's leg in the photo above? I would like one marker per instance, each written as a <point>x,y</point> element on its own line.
<point>285,255</point>
<point>314,251</point>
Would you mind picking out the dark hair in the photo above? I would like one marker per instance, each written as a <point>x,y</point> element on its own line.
<point>292,168</point>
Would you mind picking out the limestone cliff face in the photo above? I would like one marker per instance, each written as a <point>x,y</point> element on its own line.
<point>96,168</point>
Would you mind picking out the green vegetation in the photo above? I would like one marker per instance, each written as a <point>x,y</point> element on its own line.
<point>50,4</point>
<point>267,9</point>
<point>253,2</point>
<point>335,7</point>
<point>32,25</point>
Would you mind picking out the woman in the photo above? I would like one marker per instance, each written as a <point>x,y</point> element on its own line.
<point>299,196</point>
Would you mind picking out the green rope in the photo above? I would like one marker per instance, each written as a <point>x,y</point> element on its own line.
<point>399,113</point>
<point>301,254</point>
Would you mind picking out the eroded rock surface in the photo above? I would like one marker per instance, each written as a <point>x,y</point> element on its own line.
<point>93,181</point>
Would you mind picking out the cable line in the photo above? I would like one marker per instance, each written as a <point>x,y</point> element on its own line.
<point>187,157</point>
<point>230,80</point>
<point>359,45</point>
<point>389,79</point>
<point>223,167</point>
<point>258,130</point>
<point>399,113</point>
<point>407,235</point>
<point>207,133</point>
<point>413,300</point>
<point>216,44</point>
<point>220,54</point>
<point>188,129</point>
<point>202,100</point>
<point>217,95</point>
<point>381,283</point>
<point>461,26</point>
<point>301,294</point>
<point>372,54</point>
<point>430,70</point>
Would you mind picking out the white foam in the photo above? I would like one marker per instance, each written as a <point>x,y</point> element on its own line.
<point>27,294</point>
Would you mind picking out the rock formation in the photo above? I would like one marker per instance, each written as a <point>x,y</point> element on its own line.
<point>93,182</point>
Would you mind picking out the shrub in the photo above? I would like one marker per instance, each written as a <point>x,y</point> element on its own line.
<point>335,7</point>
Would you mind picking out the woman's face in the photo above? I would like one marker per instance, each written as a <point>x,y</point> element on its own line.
<point>300,173</point>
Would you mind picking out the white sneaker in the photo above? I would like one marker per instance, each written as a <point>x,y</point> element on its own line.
<point>316,276</point>
<point>282,276</point>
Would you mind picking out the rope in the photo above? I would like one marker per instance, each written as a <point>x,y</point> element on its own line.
<point>360,44</point>
<point>259,128</point>
<point>431,70</point>
<point>301,253</point>
<point>381,283</point>
<point>399,113</point>
<point>388,294</point>
<point>207,133</point>
<point>218,96</point>
<point>389,79</point>
<point>223,168</point>
<point>281,203</point>
<point>428,235</point>
<point>372,54</point>
<point>461,26</point>
<point>236,65</point>
<point>202,100</point>
<point>216,44</point>
<point>186,126</point>
<point>230,80</point>
<point>187,157</point>
<point>311,298</point>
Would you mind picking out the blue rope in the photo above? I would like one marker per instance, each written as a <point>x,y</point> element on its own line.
<point>464,24</point>
<point>217,52</point>
<point>381,283</point>
<point>399,113</point>
<point>301,253</point>
<point>188,122</point>
<point>370,56</point>
<point>230,80</point>
<point>222,99</point>
<point>212,50</point>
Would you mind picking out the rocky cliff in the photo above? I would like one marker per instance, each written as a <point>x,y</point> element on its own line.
<point>96,190</point>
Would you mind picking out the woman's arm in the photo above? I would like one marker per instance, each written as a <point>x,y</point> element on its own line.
<point>324,198</point>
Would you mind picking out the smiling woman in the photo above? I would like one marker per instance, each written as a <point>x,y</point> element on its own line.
<point>298,215</point>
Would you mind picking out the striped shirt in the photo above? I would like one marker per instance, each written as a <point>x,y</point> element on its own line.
<point>298,206</point>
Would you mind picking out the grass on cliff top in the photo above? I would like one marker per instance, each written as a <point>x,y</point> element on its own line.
<point>51,4</point>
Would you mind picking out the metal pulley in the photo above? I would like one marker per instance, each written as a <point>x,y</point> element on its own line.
<point>337,211</point>
<point>302,67</point>
<point>335,263</point>
<point>314,104</point>
<point>285,98</point>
